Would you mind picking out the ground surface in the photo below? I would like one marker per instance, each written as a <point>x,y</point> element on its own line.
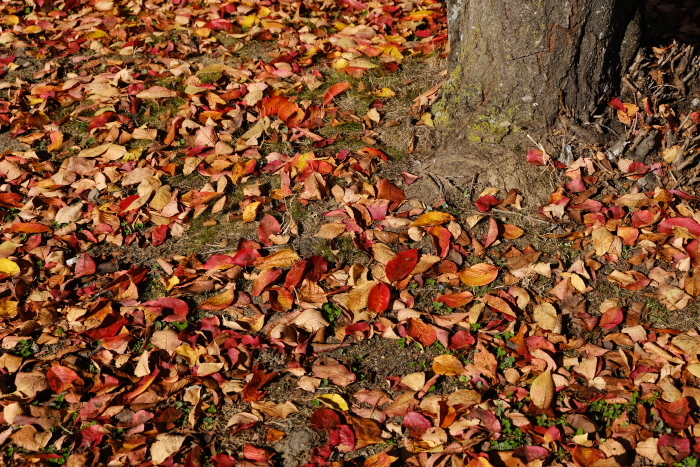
<point>227,239</point>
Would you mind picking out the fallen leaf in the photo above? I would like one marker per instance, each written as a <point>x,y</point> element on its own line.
<point>542,390</point>
<point>479,275</point>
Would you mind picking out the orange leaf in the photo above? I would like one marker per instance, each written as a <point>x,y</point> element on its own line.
<point>456,299</point>
<point>219,302</point>
<point>433,218</point>
<point>479,274</point>
<point>334,90</point>
<point>447,365</point>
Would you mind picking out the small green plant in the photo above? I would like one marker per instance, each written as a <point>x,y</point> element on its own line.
<point>60,402</point>
<point>402,342</point>
<point>504,358</point>
<point>180,325</point>
<point>332,311</point>
<point>442,309</point>
<point>25,348</point>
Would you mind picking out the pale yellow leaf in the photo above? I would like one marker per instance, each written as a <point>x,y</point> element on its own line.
<point>542,390</point>
<point>546,317</point>
<point>156,92</point>
<point>414,381</point>
<point>165,446</point>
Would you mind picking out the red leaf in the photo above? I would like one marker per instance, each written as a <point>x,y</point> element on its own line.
<point>101,120</point>
<point>667,225</point>
<point>617,104</point>
<point>537,157</point>
<point>159,235</point>
<point>611,318</point>
<point>246,257</point>
<point>85,266</point>
<point>493,233</point>
<point>462,340</point>
<point>417,424</point>
<point>179,307</point>
<point>318,266</point>
<point>378,299</point>
<point>295,275</point>
<point>287,111</point>
<point>402,265</point>
<point>62,378</point>
<point>485,203</point>
<point>126,202</point>
<point>673,448</point>
<point>256,454</point>
<point>268,226</point>
<point>531,453</point>
<point>334,90</point>
<point>325,419</point>
<point>675,414</point>
<point>219,262</point>
<point>271,105</point>
<point>643,218</point>
<point>457,299</point>
<point>356,4</point>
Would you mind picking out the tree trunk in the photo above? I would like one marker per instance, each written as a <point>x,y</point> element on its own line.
<point>516,65</point>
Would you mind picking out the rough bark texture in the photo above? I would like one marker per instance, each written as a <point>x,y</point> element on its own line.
<point>515,65</point>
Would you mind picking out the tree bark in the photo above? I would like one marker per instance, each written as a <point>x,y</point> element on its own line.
<point>517,64</point>
<point>514,66</point>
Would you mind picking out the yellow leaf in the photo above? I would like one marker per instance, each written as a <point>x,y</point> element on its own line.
<point>281,259</point>
<point>385,92</point>
<point>8,308</point>
<point>427,119</point>
<point>8,267</point>
<point>334,401</point>
<point>542,390</point>
<point>188,353</point>
<point>251,211</point>
<point>479,274</point>
<point>340,64</point>
<point>447,365</point>
<point>433,218</point>
<point>250,21</point>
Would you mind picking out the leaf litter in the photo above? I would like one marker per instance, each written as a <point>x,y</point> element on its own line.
<point>443,338</point>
